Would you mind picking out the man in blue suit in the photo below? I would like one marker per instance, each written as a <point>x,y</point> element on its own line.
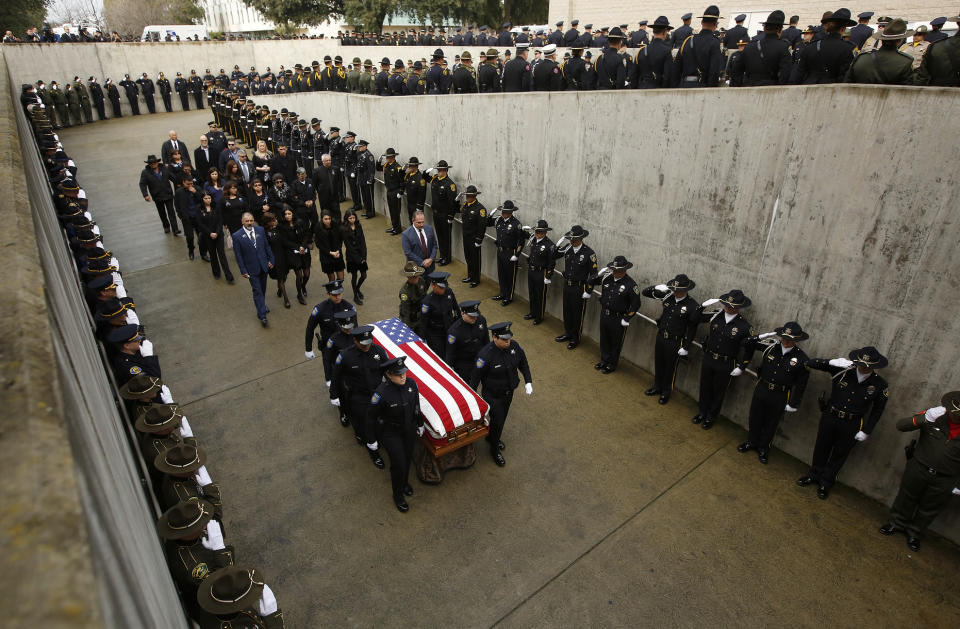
<point>254,258</point>
<point>420,242</point>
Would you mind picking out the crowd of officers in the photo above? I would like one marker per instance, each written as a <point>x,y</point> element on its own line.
<point>217,592</point>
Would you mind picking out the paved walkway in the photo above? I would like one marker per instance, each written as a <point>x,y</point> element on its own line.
<point>611,511</point>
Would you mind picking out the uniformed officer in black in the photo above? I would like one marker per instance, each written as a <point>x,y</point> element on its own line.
<point>393,182</point>
<point>723,353</point>
<point>394,417</point>
<point>572,70</point>
<point>680,35</point>
<point>516,72</point>
<point>438,311</point>
<point>858,397</point>
<point>579,267</point>
<point>782,379</point>
<point>488,75</point>
<point>736,33</point>
<point>766,61</point>
<point>464,77</point>
<point>932,474</point>
<point>414,187</point>
<point>340,339</point>
<point>700,59</point>
<point>475,222</point>
<point>540,265</point>
<point>397,79</point>
<point>572,34</point>
<point>465,338</point>
<point>510,241</point>
<point>356,375</point>
<point>619,302</point>
<point>611,65</point>
<point>676,328</point>
<point>134,354</point>
<point>366,169</point>
<point>546,75</point>
<point>323,315</point>
<point>380,81</point>
<point>415,85</point>
<point>827,60</point>
<point>653,63</point>
<point>443,200</point>
<point>497,370</point>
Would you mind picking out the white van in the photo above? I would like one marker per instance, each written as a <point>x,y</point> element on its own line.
<point>159,32</point>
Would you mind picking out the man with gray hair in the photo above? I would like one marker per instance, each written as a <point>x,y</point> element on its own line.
<point>325,185</point>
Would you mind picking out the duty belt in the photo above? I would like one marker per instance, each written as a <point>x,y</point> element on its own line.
<point>930,470</point>
<point>845,414</point>
<point>719,356</point>
<point>773,386</point>
<point>668,336</point>
<point>691,79</point>
<point>573,282</point>
<point>535,268</point>
<point>612,313</point>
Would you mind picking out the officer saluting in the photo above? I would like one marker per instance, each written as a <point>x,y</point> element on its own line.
<point>580,265</point>
<point>675,330</point>
<point>194,543</point>
<point>857,399</point>
<point>496,369</point>
<point>475,222</point>
<point>619,301</point>
<point>510,241</point>
<point>540,265</point>
<point>356,375</point>
<point>394,419</point>
<point>721,353</point>
<point>465,338</point>
<point>782,380</point>
<point>438,311</point>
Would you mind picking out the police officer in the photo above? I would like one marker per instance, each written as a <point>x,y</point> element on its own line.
<point>182,88</point>
<point>699,59</point>
<point>397,81</point>
<point>475,222</point>
<point>516,72</point>
<point>579,267</point>
<point>443,198</point>
<point>194,544</point>
<point>465,338</point>
<point>415,85</point>
<point>465,77</point>
<point>382,78</point>
<point>680,35</point>
<point>612,67</point>
<point>236,597</point>
<point>162,426</point>
<point>676,327</point>
<point>414,187</point>
<point>862,31</point>
<point>438,311</point>
<point>941,63</point>
<point>346,321</point>
<point>134,354</point>
<point>96,93</point>
<point>196,87</point>
<point>540,265</point>
<point>546,74</point>
<point>572,70</point>
<point>438,78</point>
<point>722,353</point>
<point>738,32</point>
<point>488,75</point>
<point>148,89</point>
<point>412,292</point>
<point>858,397</point>
<point>510,241</point>
<point>827,60</point>
<point>350,169</point>
<point>323,315</point>
<point>366,169</point>
<point>394,417</point>
<point>886,65</point>
<point>782,379</point>
<point>766,61</point>
<point>356,375</point>
<point>496,370</point>
<point>653,62</point>
<point>393,182</point>
<point>619,302</point>
<point>163,86</point>
<point>185,476</point>
<point>84,95</point>
<point>932,473</point>
<point>572,35</point>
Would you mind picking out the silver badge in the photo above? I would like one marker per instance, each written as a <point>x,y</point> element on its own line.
<point>793,361</point>
<point>376,356</point>
<point>513,351</point>
<point>581,257</point>
<point>733,331</point>
<point>542,247</point>
<point>683,310</point>
<point>871,390</point>
<point>622,288</point>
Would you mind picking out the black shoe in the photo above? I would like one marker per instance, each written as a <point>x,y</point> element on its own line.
<point>499,460</point>
<point>913,543</point>
<point>466,280</point>
<point>537,321</point>
<point>344,420</point>
<point>166,230</point>
<point>803,481</point>
<point>664,398</point>
<point>822,492</point>
<point>707,424</point>
<point>889,529</point>
<point>500,446</point>
<point>370,216</point>
<point>360,294</point>
<point>263,321</point>
<point>497,297</point>
<point>443,262</point>
<point>230,280</point>
<point>301,300</point>
<point>389,231</point>
<point>527,317</point>
<point>474,284</point>
<point>562,338</point>
<point>378,462</point>
<point>573,344</point>
<point>279,293</point>
<point>358,301</point>
<point>608,369</point>
<point>763,455</point>
<point>286,303</point>
<point>176,233</point>
<point>652,391</point>
<point>190,255</point>
<point>408,490</point>
<point>506,302</point>
<point>304,291</point>
<point>746,446</point>
<point>600,365</point>
<point>697,419</point>
<point>204,257</point>
<point>402,505</point>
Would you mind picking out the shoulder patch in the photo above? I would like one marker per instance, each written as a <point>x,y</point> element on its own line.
<point>403,297</point>
<point>453,187</point>
<point>886,393</point>
<point>556,71</point>
<point>480,363</point>
<point>135,370</point>
<point>375,398</point>
<point>316,311</point>
<point>636,289</point>
<point>200,571</point>
<point>593,257</point>
<point>425,308</point>
<point>339,359</point>
<point>451,339</point>
<point>329,343</point>
<point>483,213</point>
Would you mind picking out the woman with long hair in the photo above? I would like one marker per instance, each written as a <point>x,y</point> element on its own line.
<point>356,246</point>
<point>261,162</point>
<point>210,230</point>
<point>330,247</point>
<point>295,238</point>
<point>232,206</point>
<point>214,185</point>
<point>280,270</point>
<point>231,172</point>
<point>258,202</point>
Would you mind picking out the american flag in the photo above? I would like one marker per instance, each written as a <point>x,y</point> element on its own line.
<point>446,401</point>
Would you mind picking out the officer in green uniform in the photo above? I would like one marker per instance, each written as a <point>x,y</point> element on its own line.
<point>353,77</point>
<point>163,427</point>
<point>185,477</point>
<point>73,103</point>
<point>932,473</point>
<point>59,104</point>
<point>365,80</point>
<point>412,292</point>
<point>84,95</point>
<point>886,65</point>
<point>194,543</point>
<point>941,62</point>
<point>236,598</point>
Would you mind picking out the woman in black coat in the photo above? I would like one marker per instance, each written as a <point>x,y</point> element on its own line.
<point>295,240</point>
<point>280,195</point>
<point>232,207</point>
<point>258,201</point>
<point>330,247</point>
<point>210,230</point>
<point>280,269</point>
<point>356,246</point>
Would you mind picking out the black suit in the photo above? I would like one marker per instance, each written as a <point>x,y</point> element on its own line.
<point>167,149</point>
<point>325,184</point>
<point>158,187</point>
<point>203,162</point>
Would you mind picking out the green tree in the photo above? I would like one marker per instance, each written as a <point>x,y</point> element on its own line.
<point>370,14</point>
<point>297,12</point>
<point>19,15</point>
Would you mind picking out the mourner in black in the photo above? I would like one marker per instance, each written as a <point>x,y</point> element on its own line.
<point>676,328</point>
<point>579,267</point>
<point>394,418</point>
<point>465,338</point>
<point>497,370</point>
<point>475,222</point>
<point>438,311</point>
<point>722,353</point>
<point>858,396</point>
<point>540,265</point>
<point>323,315</point>
<point>510,241</point>
<point>619,302</point>
<point>782,379</point>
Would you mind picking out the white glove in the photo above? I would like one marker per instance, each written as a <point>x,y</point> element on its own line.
<point>789,409</point>
<point>121,291</point>
<point>132,318</point>
<point>603,270</point>
<point>335,401</point>
<point>165,396</point>
<point>767,335</point>
<point>661,288</point>
<point>185,429</point>
<point>399,195</point>
<point>431,172</point>
<point>956,491</point>
<point>843,363</point>
<point>710,302</point>
<point>736,372</point>
<point>310,355</point>
<point>213,539</point>
<point>935,413</point>
<point>682,352</point>
<point>88,216</point>
<point>115,262</point>
<point>478,244</point>
<point>526,228</point>
<point>528,388</point>
<point>861,436</point>
<point>546,280</point>
<point>420,431</point>
<point>268,602</point>
<point>96,230</point>
<point>513,258</point>
<point>202,477</point>
<point>353,175</point>
<point>146,348</point>
<point>586,295</point>
<point>328,384</point>
<point>624,323</point>
<point>373,447</point>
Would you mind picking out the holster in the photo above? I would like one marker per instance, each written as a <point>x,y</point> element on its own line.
<point>823,402</point>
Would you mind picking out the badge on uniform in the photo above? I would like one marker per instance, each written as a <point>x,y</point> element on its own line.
<point>871,390</point>
<point>316,311</point>
<point>451,339</point>
<point>480,363</point>
<point>375,398</point>
<point>622,288</point>
<point>135,370</point>
<point>683,310</point>
<point>794,361</point>
<point>581,257</point>
<point>513,351</point>
<point>542,247</point>
<point>200,571</point>
<point>339,359</point>
<point>403,297</point>
<point>733,331</point>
